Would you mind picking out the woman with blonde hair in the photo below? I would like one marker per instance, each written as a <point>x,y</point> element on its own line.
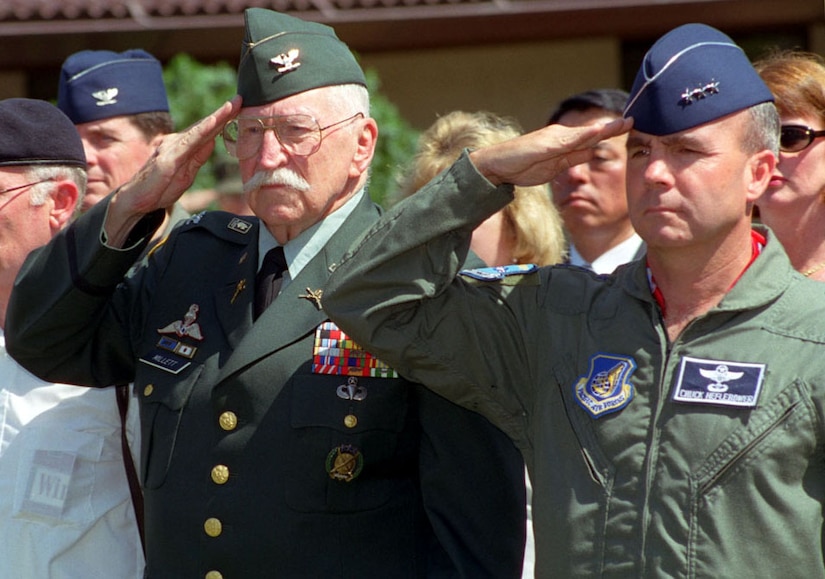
<point>794,204</point>
<point>529,229</point>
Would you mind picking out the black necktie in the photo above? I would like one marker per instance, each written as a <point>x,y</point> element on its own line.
<point>269,278</point>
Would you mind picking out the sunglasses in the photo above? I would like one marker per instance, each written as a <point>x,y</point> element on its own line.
<point>795,138</point>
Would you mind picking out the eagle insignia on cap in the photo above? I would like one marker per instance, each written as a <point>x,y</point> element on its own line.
<point>286,62</point>
<point>106,97</point>
<point>696,94</point>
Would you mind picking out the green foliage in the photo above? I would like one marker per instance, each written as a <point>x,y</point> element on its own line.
<point>397,142</point>
<point>196,89</point>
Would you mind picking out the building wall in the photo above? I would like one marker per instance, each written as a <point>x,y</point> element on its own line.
<point>12,84</point>
<point>524,80</point>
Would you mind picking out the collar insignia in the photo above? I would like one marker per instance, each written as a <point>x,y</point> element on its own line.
<point>106,97</point>
<point>314,296</point>
<point>606,388</point>
<point>286,62</point>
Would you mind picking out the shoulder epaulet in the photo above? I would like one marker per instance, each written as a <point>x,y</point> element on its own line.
<point>220,223</point>
<point>505,274</point>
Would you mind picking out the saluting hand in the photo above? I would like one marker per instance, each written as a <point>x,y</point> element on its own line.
<point>537,157</point>
<point>167,174</point>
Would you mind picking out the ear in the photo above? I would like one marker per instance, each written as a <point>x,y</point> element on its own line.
<point>365,148</point>
<point>64,199</point>
<point>760,171</point>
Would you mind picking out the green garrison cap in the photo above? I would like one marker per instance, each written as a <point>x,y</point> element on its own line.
<point>283,56</point>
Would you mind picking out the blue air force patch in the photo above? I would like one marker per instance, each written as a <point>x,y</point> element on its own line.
<point>718,382</point>
<point>607,387</point>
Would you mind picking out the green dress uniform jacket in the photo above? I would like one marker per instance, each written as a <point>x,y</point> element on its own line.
<point>241,439</point>
<point>697,458</point>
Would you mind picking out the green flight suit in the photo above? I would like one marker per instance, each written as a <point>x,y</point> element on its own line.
<point>699,458</point>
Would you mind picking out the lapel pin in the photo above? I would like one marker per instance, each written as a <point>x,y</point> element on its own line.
<point>314,296</point>
<point>238,289</point>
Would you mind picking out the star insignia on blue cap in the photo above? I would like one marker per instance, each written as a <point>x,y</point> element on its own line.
<point>698,93</point>
<point>106,96</point>
<point>286,62</point>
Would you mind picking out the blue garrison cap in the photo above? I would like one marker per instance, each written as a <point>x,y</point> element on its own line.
<point>283,56</point>
<point>100,84</point>
<point>35,132</point>
<point>692,75</point>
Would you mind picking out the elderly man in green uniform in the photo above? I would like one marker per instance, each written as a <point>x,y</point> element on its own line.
<point>671,415</point>
<point>272,445</point>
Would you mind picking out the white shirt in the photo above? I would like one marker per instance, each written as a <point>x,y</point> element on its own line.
<point>612,258</point>
<point>65,507</point>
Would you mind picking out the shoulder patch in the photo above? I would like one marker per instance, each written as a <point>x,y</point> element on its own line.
<point>606,388</point>
<point>505,274</point>
<point>222,224</point>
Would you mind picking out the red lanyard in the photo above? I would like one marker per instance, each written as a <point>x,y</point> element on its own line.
<point>757,244</point>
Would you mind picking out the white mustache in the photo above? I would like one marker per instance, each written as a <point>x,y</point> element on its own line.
<point>282,176</point>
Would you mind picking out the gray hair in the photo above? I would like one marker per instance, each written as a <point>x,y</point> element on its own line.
<point>40,192</point>
<point>762,132</point>
<point>350,98</point>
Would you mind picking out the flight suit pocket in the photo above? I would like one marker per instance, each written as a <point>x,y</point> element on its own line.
<point>345,441</point>
<point>163,402</point>
<point>599,467</point>
<point>751,477</point>
<point>763,440</point>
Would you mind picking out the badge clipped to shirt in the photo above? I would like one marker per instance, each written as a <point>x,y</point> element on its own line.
<point>606,388</point>
<point>719,382</point>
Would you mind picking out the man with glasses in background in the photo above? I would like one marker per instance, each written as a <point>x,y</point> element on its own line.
<point>65,508</point>
<point>271,444</point>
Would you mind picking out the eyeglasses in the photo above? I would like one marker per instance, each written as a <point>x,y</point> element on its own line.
<point>21,189</point>
<point>795,138</point>
<point>300,135</point>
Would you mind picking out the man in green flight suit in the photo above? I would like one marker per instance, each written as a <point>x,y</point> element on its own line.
<point>671,415</point>
<point>272,446</point>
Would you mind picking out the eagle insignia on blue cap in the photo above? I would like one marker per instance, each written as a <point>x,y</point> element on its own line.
<point>100,84</point>
<point>105,97</point>
<point>286,62</point>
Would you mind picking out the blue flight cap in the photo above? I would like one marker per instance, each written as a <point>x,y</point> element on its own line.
<point>692,75</point>
<point>100,84</point>
<point>35,132</point>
